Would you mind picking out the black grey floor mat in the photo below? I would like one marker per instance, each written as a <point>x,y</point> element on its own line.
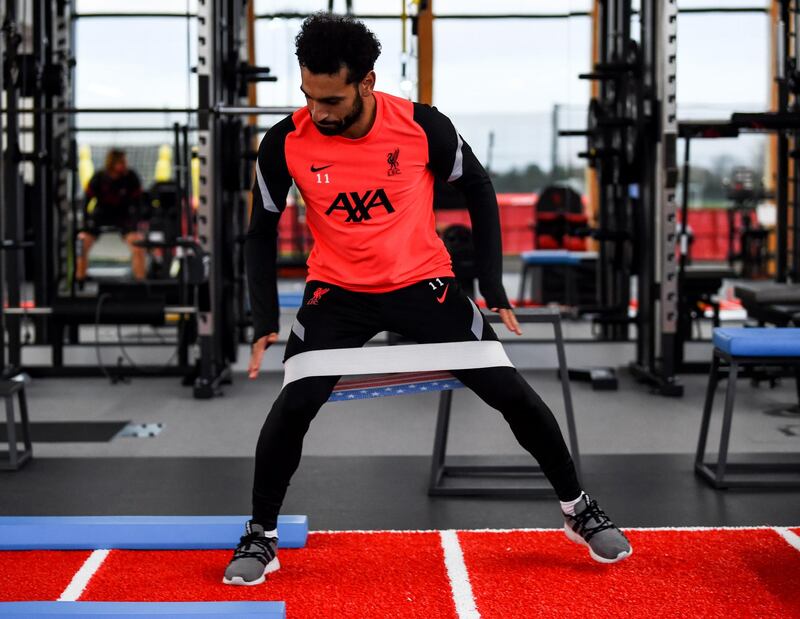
<point>69,431</point>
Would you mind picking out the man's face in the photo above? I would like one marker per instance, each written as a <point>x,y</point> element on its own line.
<point>119,168</point>
<point>334,104</point>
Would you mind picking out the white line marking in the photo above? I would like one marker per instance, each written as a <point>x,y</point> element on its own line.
<point>459,579</point>
<point>790,536</point>
<point>83,576</point>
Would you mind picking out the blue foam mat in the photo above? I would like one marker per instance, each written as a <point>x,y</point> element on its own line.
<point>138,532</point>
<point>758,341</point>
<point>131,610</point>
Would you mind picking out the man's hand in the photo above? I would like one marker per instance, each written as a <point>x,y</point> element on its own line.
<point>509,320</point>
<point>260,345</point>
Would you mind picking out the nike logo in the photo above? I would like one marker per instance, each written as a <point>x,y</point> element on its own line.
<point>444,294</point>
<point>324,167</point>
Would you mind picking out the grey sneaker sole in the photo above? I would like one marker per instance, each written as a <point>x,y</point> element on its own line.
<point>574,537</point>
<point>272,566</point>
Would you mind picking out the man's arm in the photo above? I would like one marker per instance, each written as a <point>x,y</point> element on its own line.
<point>270,188</point>
<point>451,158</point>
<point>138,210</point>
<point>90,196</point>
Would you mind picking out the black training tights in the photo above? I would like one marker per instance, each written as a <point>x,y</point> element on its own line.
<point>281,441</point>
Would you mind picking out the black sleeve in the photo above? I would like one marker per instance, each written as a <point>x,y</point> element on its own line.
<point>135,183</point>
<point>270,188</point>
<point>92,187</point>
<point>91,193</point>
<point>135,188</point>
<point>450,158</point>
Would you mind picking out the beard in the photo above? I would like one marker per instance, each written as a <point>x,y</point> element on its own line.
<point>340,126</point>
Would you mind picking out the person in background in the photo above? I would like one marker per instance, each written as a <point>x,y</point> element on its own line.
<point>113,198</point>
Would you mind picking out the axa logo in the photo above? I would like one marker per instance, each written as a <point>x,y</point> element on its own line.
<point>358,206</point>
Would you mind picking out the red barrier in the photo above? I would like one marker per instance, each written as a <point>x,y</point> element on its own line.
<point>517,218</point>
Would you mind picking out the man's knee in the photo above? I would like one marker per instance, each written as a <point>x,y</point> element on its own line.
<point>501,388</point>
<point>84,243</point>
<point>131,238</point>
<point>300,400</point>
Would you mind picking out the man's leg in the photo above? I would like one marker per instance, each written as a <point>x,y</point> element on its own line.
<point>329,317</point>
<point>531,421</point>
<point>138,255</point>
<point>438,311</point>
<point>83,246</point>
<point>280,444</point>
<point>277,458</point>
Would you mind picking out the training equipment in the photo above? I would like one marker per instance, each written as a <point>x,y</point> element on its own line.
<point>137,532</point>
<point>16,457</point>
<point>770,302</point>
<point>420,365</point>
<point>739,347</point>
<point>591,527</point>
<point>576,269</point>
<point>389,359</point>
<point>144,610</point>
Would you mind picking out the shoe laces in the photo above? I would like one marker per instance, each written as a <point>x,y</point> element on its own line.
<point>255,546</point>
<point>582,520</point>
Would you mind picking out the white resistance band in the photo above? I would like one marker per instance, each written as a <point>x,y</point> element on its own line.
<point>392,359</point>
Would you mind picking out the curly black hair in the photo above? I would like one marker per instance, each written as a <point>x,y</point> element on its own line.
<point>326,42</point>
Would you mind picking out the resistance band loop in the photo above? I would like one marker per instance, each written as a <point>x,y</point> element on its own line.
<point>391,359</point>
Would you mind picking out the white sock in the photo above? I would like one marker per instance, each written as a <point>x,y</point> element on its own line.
<point>273,533</point>
<point>568,507</point>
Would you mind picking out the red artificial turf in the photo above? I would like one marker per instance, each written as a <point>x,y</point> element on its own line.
<point>38,575</point>
<point>746,573</point>
<point>513,575</point>
<point>335,575</point>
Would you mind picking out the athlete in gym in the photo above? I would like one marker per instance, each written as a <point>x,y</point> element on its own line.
<point>365,163</point>
<point>113,198</point>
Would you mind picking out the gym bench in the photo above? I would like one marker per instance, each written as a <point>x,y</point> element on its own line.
<point>737,347</point>
<point>569,261</point>
<point>444,382</point>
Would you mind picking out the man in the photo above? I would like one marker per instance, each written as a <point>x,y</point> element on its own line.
<point>365,164</point>
<point>112,201</point>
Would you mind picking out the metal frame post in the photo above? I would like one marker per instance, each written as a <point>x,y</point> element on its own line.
<point>208,193</point>
<point>12,189</point>
<point>666,209</point>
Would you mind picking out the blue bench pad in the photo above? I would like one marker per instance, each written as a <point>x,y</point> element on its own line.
<point>556,256</point>
<point>757,342</point>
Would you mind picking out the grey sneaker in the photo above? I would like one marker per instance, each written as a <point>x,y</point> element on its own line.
<point>592,528</point>
<point>254,557</point>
